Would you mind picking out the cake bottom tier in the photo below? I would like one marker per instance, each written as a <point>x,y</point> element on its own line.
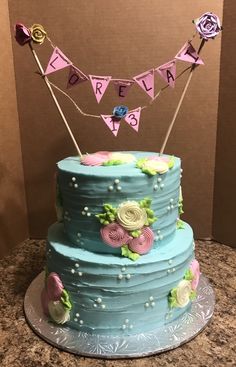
<point>114,295</point>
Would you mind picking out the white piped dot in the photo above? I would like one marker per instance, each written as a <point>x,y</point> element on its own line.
<point>151,298</point>
<point>77,314</point>
<point>171,200</point>
<point>155,187</point>
<point>75,319</point>
<point>120,276</point>
<point>181,170</point>
<point>181,176</point>
<point>77,265</point>
<point>99,300</point>
<point>119,188</point>
<point>117,181</point>
<point>131,326</point>
<point>128,276</point>
<point>158,231</point>
<point>76,186</point>
<point>83,212</point>
<point>172,206</point>
<point>168,208</point>
<point>95,305</point>
<point>174,270</point>
<point>168,271</point>
<point>123,269</point>
<point>159,179</point>
<point>153,304</point>
<point>170,261</point>
<point>72,271</point>
<point>88,214</point>
<point>147,305</point>
<point>123,327</point>
<point>80,273</point>
<point>86,208</point>
<point>162,185</point>
<point>73,179</point>
<point>79,234</point>
<point>126,321</point>
<point>103,306</point>
<point>81,322</point>
<point>110,188</point>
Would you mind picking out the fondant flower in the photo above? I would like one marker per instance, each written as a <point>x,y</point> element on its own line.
<point>95,159</point>
<point>131,216</point>
<point>120,111</point>
<point>195,269</point>
<point>183,293</point>
<point>58,312</point>
<point>54,287</point>
<point>38,33</point>
<point>114,235</point>
<point>123,157</point>
<point>208,25</point>
<point>158,166</point>
<point>143,243</point>
<point>22,34</point>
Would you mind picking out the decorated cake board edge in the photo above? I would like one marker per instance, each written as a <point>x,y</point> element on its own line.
<point>167,337</point>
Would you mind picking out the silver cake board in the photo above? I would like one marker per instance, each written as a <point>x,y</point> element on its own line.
<point>169,336</point>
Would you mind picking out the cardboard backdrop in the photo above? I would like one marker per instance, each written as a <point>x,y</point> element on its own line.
<point>121,39</point>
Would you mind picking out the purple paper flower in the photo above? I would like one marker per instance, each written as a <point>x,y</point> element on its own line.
<point>208,25</point>
<point>22,34</point>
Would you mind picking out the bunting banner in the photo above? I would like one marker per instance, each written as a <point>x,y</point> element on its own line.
<point>112,122</point>
<point>168,72</point>
<point>57,61</point>
<point>189,54</point>
<point>99,85</point>
<point>75,77</point>
<point>122,87</point>
<point>146,82</point>
<point>133,117</point>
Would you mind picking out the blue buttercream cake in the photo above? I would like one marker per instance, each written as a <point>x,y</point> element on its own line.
<point>120,260</point>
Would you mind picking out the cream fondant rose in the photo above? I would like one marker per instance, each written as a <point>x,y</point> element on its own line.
<point>183,292</point>
<point>58,312</point>
<point>131,216</point>
<point>122,157</point>
<point>155,165</point>
<point>38,33</point>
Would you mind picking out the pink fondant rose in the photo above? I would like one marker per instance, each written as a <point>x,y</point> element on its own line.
<point>22,34</point>
<point>208,25</point>
<point>95,159</point>
<point>195,269</point>
<point>114,235</point>
<point>142,244</point>
<point>52,291</point>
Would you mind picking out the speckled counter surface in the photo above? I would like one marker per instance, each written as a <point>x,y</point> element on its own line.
<point>19,346</point>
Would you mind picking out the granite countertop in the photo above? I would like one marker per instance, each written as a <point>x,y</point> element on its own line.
<point>19,346</point>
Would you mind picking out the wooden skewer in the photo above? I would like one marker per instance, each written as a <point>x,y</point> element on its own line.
<point>55,99</point>
<point>180,101</point>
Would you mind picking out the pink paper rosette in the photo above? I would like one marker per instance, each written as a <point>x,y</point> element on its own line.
<point>52,291</point>
<point>95,159</point>
<point>195,269</point>
<point>114,235</point>
<point>208,25</point>
<point>142,244</point>
<point>22,34</point>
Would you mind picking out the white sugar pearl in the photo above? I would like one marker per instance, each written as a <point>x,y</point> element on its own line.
<point>73,179</point>
<point>75,319</point>
<point>83,212</point>
<point>123,327</point>
<point>99,300</point>
<point>77,265</point>
<point>151,298</point>
<point>77,314</point>
<point>110,188</point>
<point>76,186</point>
<point>123,269</point>
<point>170,261</point>
<point>117,181</point>
<point>82,243</point>
<point>155,187</point>
<point>168,271</point>
<point>86,208</point>
<point>128,276</point>
<point>168,208</point>
<point>159,179</point>
<point>88,214</point>
<point>81,322</point>
<point>158,231</point>
<point>70,184</point>
<point>79,234</point>
<point>147,304</point>
<point>126,321</point>
<point>131,326</point>
<point>66,213</point>
<point>80,273</point>
<point>181,170</point>
<point>161,237</point>
<point>120,276</point>
<point>119,188</point>
<point>172,206</point>
<point>162,185</point>
<point>103,306</point>
<point>72,271</point>
<point>156,238</point>
<point>94,305</point>
<point>153,304</point>
<point>171,200</point>
<point>174,270</point>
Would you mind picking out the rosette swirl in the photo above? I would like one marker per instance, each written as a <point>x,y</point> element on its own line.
<point>38,33</point>
<point>95,159</point>
<point>131,216</point>
<point>195,269</point>
<point>183,292</point>
<point>114,235</point>
<point>142,244</point>
<point>54,287</point>
<point>208,25</point>
<point>159,166</point>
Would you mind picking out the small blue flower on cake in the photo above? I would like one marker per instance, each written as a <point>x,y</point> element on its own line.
<point>185,291</point>
<point>55,300</point>
<point>155,164</point>
<point>127,227</point>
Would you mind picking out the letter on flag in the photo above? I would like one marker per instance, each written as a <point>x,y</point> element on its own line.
<point>133,117</point>
<point>122,87</point>
<point>75,77</point>
<point>57,61</point>
<point>146,82</point>
<point>168,72</point>
<point>189,54</point>
<point>112,122</point>
<point>99,84</point>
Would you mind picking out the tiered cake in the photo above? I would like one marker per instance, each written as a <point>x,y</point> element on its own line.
<point>120,261</point>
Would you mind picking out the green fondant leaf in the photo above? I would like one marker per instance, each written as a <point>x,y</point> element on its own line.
<point>188,275</point>
<point>140,162</point>
<point>180,224</point>
<point>125,251</point>
<point>171,162</point>
<point>65,300</point>
<point>172,299</point>
<point>113,162</point>
<point>108,216</point>
<point>193,295</point>
<point>136,233</point>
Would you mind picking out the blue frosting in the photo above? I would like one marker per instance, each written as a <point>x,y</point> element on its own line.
<point>91,187</point>
<point>113,295</point>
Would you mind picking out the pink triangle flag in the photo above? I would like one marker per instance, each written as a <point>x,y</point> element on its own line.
<point>146,82</point>
<point>75,77</point>
<point>189,54</point>
<point>99,84</point>
<point>168,72</point>
<point>57,61</point>
<point>112,122</point>
<point>122,87</point>
<point>133,117</point>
